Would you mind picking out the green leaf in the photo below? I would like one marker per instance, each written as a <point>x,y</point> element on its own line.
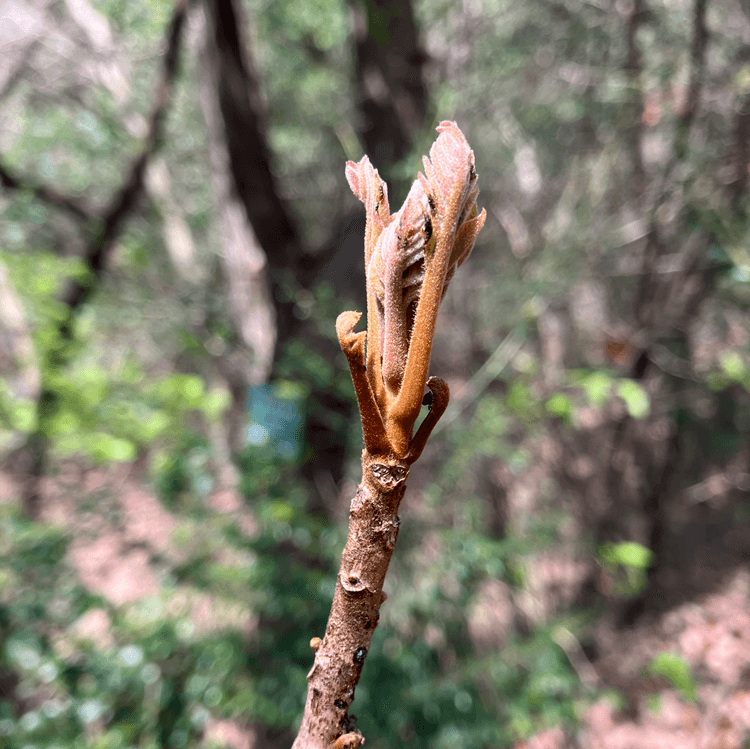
<point>23,417</point>
<point>215,403</point>
<point>64,422</point>
<point>106,448</point>
<point>559,405</point>
<point>677,672</point>
<point>519,398</point>
<point>181,392</point>
<point>731,362</point>
<point>627,553</point>
<point>155,424</point>
<point>597,386</point>
<point>635,397</point>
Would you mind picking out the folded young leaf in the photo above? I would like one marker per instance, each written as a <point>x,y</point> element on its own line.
<point>410,257</point>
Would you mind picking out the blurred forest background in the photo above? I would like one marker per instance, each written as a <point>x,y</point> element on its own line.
<point>178,436</point>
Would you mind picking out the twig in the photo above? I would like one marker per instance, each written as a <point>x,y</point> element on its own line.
<point>11,181</point>
<point>122,203</point>
<point>633,68</point>
<point>481,379</point>
<point>410,257</point>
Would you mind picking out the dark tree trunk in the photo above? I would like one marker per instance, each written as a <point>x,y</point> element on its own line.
<point>250,159</point>
<point>391,94</point>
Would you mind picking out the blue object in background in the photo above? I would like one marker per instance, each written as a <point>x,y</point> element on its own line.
<point>276,418</point>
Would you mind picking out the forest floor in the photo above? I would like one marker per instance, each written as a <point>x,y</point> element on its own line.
<point>118,528</point>
<point>712,635</point>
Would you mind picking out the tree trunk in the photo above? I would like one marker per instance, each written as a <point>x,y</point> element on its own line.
<point>392,97</point>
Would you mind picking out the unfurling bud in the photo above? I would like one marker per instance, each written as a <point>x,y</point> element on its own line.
<point>410,257</point>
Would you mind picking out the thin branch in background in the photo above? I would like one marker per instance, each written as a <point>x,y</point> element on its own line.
<point>633,68</point>
<point>697,64</point>
<point>123,202</point>
<point>739,157</point>
<point>32,459</point>
<point>741,153</point>
<point>20,69</point>
<point>634,139</point>
<point>650,285</point>
<point>686,119</point>
<point>661,302</point>
<point>484,376</point>
<point>46,194</point>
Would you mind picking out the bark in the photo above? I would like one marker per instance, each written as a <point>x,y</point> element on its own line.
<point>240,105</point>
<point>339,657</point>
<point>244,263</point>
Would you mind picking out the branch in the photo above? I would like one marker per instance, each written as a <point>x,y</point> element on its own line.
<point>49,195</point>
<point>411,256</point>
<point>698,48</point>
<point>633,69</point>
<point>740,153</point>
<point>373,529</point>
<point>697,72</point>
<point>123,202</point>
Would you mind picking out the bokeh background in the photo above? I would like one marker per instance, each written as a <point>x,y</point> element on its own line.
<point>178,435</point>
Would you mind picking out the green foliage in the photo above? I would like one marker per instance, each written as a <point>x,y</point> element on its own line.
<point>627,563</point>
<point>106,415</point>
<point>628,554</point>
<point>596,385</point>
<point>539,92</point>
<point>677,672</point>
<point>559,405</point>
<point>635,397</point>
<point>599,386</point>
<point>160,682</point>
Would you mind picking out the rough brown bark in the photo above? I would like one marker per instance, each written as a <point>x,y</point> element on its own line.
<point>339,657</point>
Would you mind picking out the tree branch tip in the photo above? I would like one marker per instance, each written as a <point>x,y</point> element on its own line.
<point>410,256</point>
